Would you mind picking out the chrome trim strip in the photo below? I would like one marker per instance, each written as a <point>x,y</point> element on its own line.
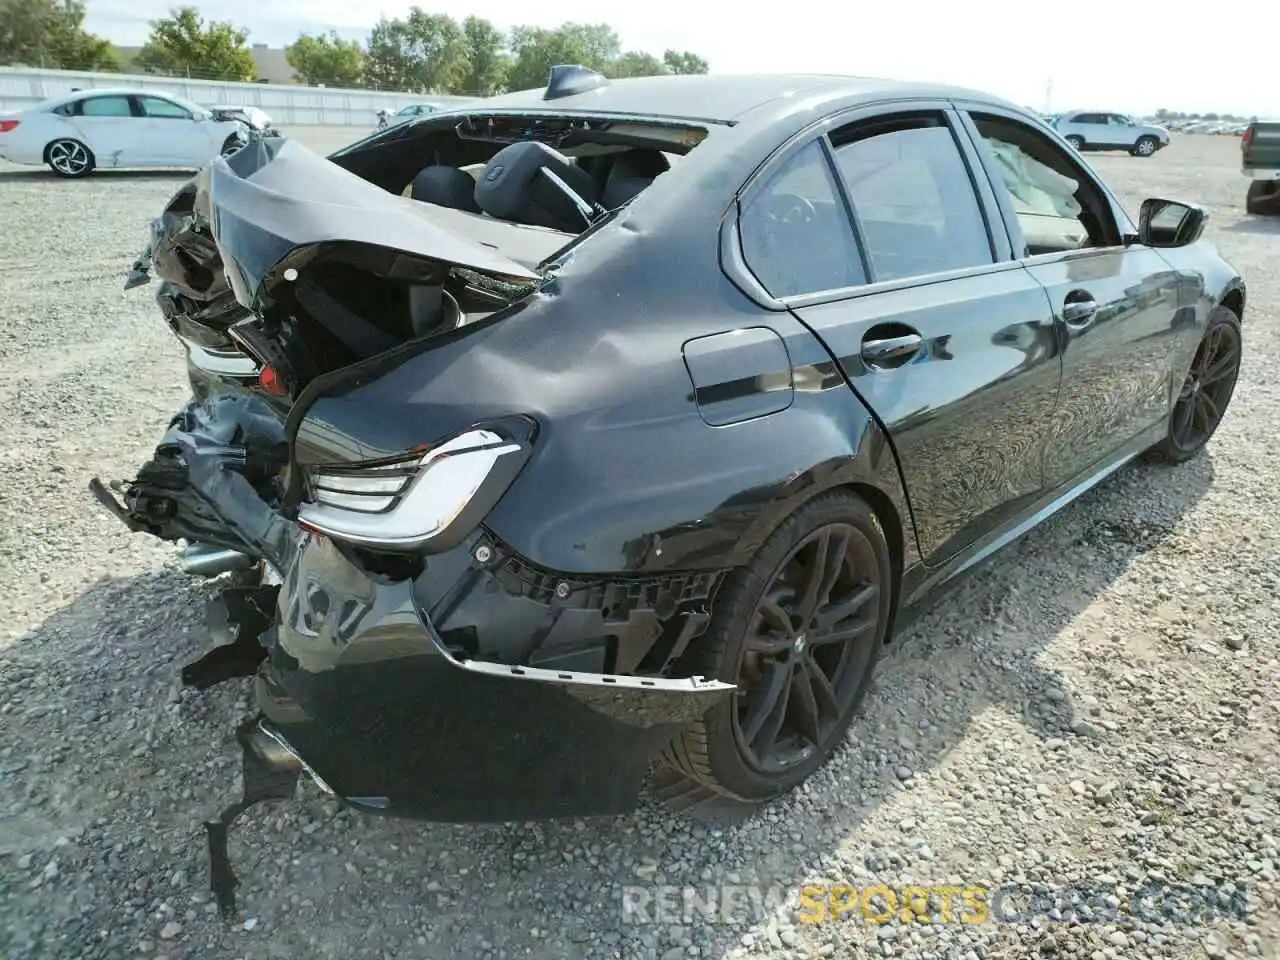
<point>221,364</point>
<point>288,748</point>
<point>541,674</point>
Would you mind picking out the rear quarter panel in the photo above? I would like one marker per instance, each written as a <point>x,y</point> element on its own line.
<point>1205,281</point>
<point>26,143</point>
<point>627,474</point>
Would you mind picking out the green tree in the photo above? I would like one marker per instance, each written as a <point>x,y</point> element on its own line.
<point>326,59</point>
<point>182,44</point>
<point>487,62</point>
<point>50,33</point>
<point>536,50</point>
<point>424,52</point>
<point>682,61</point>
<point>635,63</point>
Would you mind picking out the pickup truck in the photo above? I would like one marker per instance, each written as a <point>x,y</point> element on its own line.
<point>1260,162</point>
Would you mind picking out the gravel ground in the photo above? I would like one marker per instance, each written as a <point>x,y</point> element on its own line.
<point>1098,708</point>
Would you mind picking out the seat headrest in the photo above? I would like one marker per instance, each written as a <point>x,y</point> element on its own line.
<point>630,173</point>
<point>639,163</point>
<point>445,187</point>
<point>515,187</point>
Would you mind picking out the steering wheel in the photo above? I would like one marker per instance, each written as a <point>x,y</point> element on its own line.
<point>790,209</point>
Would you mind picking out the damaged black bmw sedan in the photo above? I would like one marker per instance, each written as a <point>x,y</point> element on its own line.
<point>626,421</point>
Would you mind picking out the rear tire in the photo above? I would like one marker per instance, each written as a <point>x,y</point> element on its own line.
<point>1206,391</point>
<point>801,649</point>
<point>69,158</point>
<point>1146,147</point>
<point>1263,198</point>
<point>1077,143</point>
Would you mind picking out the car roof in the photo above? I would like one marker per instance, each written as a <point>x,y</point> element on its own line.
<point>110,92</point>
<point>718,98</point>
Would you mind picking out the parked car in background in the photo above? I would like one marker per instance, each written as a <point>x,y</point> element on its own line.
<point>388,119</point>
<point>254,117</point>
<point>1100,130</point>
<point>1260,162</point>
<point>117,128</point>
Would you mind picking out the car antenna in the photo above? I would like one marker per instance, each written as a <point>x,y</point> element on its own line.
<point>568,80</point>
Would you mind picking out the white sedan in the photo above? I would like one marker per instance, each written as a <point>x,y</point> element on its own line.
<point>114,129</point>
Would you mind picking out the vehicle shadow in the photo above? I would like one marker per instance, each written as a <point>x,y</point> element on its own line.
<point>99,679</point>
<point>1255,224</point>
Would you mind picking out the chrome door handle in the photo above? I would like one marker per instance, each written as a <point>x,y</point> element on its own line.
<point>891,348</point>
<point>1079,313</point>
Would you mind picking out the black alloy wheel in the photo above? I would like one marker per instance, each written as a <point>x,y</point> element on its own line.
<point>799,632</point>
<point>1207,389</point>
<point>802,659</point>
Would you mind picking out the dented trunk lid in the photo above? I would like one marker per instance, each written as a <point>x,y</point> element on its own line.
<point>274,196</point>
<point>252,253</point>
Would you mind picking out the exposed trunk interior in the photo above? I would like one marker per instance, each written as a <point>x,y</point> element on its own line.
<point>316,264</point>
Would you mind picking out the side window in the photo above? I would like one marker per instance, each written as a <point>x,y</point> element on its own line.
<point>167,109</point>
<point>1057,205</point>
<point>913,200</point>
<point>105,107</point>
<point>1089,118</point>
<point>796,235</point>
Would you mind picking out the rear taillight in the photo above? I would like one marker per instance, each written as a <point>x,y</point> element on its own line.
<point>271,383</point>
<point>405,505</point>
<point>7,125</point>
<point>1246,138</point>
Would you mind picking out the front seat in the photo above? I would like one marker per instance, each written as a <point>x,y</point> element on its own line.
<point>630,173</point>
<point>515,186</point>
<point>445,187</point>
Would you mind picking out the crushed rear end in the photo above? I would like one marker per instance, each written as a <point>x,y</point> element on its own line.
<point>402,656</point>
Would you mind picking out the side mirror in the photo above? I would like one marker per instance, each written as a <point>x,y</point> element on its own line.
<point>1168,223</point>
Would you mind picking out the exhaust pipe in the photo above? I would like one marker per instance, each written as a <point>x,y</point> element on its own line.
<point>202,560</point>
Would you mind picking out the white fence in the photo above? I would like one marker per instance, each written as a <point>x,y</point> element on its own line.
<point>21,87</point>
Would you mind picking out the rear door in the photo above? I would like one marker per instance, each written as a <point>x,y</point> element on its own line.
<point>173,135</point>
<point>111,129</point>
<point>1092,127</point>
<point>1121,130</point>
<point>876,237</point>
<point>1114,305</point>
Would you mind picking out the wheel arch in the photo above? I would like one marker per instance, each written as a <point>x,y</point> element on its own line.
<point>887,505</point>
<point>1233,300</point>
<point>895,535</point>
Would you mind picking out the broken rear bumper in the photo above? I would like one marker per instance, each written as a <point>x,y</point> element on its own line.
<point>465,685</point>
<point>360,686</point>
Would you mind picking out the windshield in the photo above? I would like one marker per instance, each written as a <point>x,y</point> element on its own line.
<point>188,105</point>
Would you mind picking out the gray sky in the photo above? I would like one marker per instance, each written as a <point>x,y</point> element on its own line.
<point>1133,55</point>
